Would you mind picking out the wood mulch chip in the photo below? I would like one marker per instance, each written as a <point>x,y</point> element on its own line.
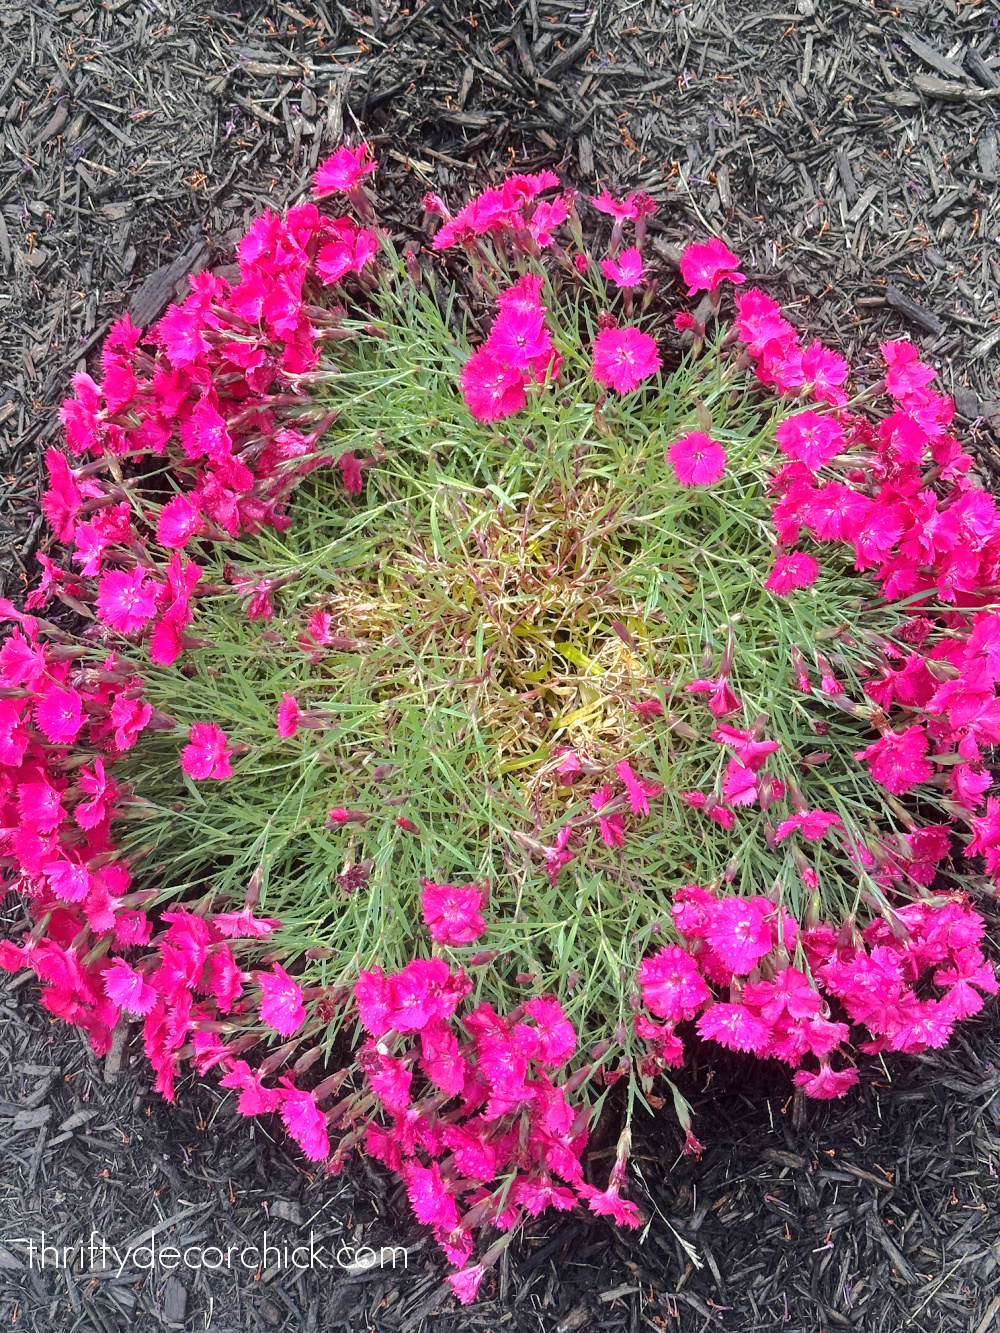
<point>850,151</point>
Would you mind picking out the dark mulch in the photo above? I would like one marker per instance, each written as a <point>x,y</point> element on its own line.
<point>851,152</point>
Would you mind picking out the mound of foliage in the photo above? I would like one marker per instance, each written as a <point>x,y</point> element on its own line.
<point>447,697</point>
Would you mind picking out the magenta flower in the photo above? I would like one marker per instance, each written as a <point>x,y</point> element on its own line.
<point>453,914</point>
<point>465,1283</point>
<point>612,826</point>
<point>518,336</point>
<point>735,1027</point>
<point>127,988</point>
<point>609,1203</point>
<point>898,759</point>
<point>905,372</point>
<point>638,790</point>
<point>243,925</point>
<point>813,825</point>
<point>254,1098</point>
<point>491,390</point>
<point>304,1121</point>
<point>625,271</point>
<point>704,267</point>
<point>739,932</point>
<point>557,855</point>
<point>179,521</point>
<point>739,786</point>
<point>810,438</point>
<point>342,170</point>
<point>557,1036</point>
<point>696,459</point>
<point>825,371</point>
<point>59,714</point>
<point>61,502</point>
<point>672,987</point>
<point>102,790</point>
<point>288,716</point>
<point>440,1058</point>
<point>796,570</point>
<point>722,700</point>
<point>619,209</point>
<point>760,324</point>
<point>429,1195</point>
<point>205,755</point>
<point>126,599</point>
<point>281,1006</point>
<point>623,358</point>
<point>827,1083</point>
<point>39,806</point>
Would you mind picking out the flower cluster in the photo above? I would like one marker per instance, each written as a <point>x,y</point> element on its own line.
<point>737,978</point>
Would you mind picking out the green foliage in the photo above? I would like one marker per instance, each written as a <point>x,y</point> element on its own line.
<point>508,591</point>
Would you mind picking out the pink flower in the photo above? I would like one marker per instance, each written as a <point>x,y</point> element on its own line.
<point>672,987</point>
<point>465,1283</point>
<point>735,1027</point>
<point>760,324</point>
<point>827,1083</point>
<point>609,1203</point>
<point>557,855</point>
<point>697,460</point>
<point>254,1098</point>
<point>179,521</point>
<point>453,915</point>
<point>810,438</point>
<point>623,358</point>
<point>288,716</point>
<point>281,1006</point>
<point>39,806</point>
<point>898,759</point>
<point>491,390</point>
<point>825,371</point>
<point>612,826</point>
<point>814,824</point>
<point>557,1036</point>
<point>342,170</point>
<point>795,570</point>
<point>102,790</point>
<point>429,1196</point>
<point>61,502</point>
<point>350,471</point>
<point>128,988</point>
<point>304,1121</point>
<point>739,785</point>
<point>425,989</point>
<point>440,1058</point>
<point>722,701</point>
<point>205,755</point>
<point>518,336</point>
<point>619,209</point>
<point>126,599</point>
<point>243,925</point>
<point>59,714</point>
<point>625,271</point>
<point>638,790</point>
<point>740,933</point>
<point>524,295</point>
<point>703,267</point>
<point>905,372</point>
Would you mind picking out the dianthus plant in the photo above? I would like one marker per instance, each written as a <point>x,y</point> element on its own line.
<point>458,682</point>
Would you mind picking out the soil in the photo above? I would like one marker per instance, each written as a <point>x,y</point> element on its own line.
<point>849,152</point>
